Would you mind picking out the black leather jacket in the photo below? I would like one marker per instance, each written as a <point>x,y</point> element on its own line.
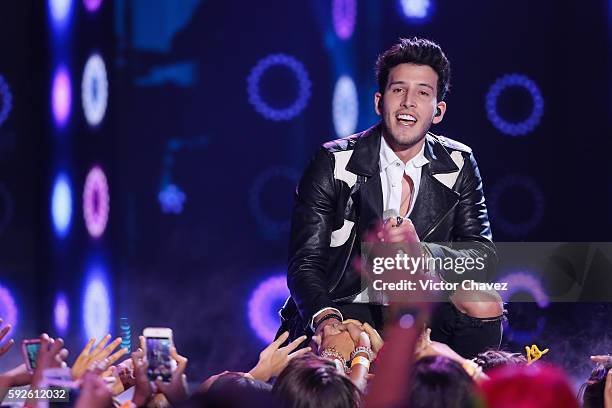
<point>339,198</point>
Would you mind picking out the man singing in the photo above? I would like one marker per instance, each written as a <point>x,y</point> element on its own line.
<point>431,182</point>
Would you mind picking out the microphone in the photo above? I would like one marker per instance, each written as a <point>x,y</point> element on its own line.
<point>392,213</point>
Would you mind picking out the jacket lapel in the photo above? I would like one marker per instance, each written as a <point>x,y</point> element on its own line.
<point>434,199</point>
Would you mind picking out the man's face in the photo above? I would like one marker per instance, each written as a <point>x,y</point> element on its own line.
<point>409,104</point>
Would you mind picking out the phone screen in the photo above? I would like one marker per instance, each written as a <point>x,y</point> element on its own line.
<point>158,356</point>
<point>32,350</point>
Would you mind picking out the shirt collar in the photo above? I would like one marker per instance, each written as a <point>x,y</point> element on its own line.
<point>388,156</point>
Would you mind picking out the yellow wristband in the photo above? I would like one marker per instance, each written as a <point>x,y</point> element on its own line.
<point>361,360</point>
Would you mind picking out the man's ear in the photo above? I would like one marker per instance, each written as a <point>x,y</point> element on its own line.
<point>439,112</point>
<point>378,103</point>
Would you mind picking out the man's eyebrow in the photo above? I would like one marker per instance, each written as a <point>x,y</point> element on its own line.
<point>404,82</point>
<point>427,86</point>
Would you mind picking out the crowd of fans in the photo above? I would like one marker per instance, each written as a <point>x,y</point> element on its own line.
<point>349,365</point>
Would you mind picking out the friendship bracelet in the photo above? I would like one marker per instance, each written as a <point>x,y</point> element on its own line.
<point>331,353</point>
<point>362,349</point>
<point>327,317</point>
<point>361,360</point>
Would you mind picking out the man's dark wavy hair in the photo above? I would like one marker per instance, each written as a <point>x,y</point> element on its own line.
<point>417,51</point>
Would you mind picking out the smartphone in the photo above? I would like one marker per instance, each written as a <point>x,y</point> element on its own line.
<point>158,341</point>
<point>30,349</point>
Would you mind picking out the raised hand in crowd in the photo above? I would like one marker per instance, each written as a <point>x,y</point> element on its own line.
<point>273,359</point>
<point>176,391</point>
<point>6,346</point>
<point>143,391</point>
<point>94,392</point>
<point>102,356</point>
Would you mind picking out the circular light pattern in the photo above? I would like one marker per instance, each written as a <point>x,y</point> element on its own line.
<point>92,5</point>
<point>6,100</point>
<point>345,106</point>
<point>270,226</point>
<point>344,14</point>
<point>96,202</point>
<point>525,126</point>
<point>8,308</point>
<point>61,96</point>
<point>94,90</point>
<point>61,205</point>
<point>263,318</point>
<point>171,199</point>
<point>415,10</point>
<point>96,305</point>
<point>524,282</point>
<point>264,108</point>
<point>513,228</point>
<point>61,314</point>
<point>60,11</point>
<point>7,205</point>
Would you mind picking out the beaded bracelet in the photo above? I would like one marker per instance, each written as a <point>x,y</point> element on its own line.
<point>362,349</point>
<point>331,353</point>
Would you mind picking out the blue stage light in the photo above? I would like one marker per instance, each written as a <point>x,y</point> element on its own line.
<point>6,100</point>
<point>61,314</point>
<point>344,15</point>
<point>60,11</point>
<point>97,303</point>
<point>94,90</point>
<point>345,106</point>
<point>263,316</point>
<point>270,226</point>
<point>8,308</point>
<point>416,11</point>
<point>61,205</point>
<point>520,128</point>
<point>255,99</point>
<point>525,183</point>
<point>171,199</point>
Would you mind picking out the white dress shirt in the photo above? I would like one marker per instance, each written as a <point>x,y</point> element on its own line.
<point>392,170</point>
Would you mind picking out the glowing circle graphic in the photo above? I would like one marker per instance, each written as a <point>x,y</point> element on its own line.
<point>94,90</point>
<point>96,305</point>
<point>96,202</point>
<point>344,14</point>
<point>61,205</point>
<point>61,314</point>
<point>92,5</point>
<point>8,308</point>
<point>261,106</point>
<point>6,100</point>
<point>527,184</point>
<point>415,9</point>
<point>345,106</point>
<point>61,96</point>
<point>520,128</point>
<point>60,11</point>
<point>270,225</point>
<point>262,316</point>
